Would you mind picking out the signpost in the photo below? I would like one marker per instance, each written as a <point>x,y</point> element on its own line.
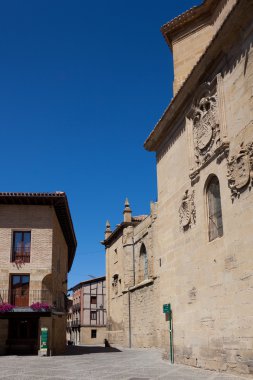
<point>168,312</point>
<point>44,341</point>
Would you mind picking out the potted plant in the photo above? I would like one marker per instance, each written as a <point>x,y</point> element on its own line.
<point>40,306</point>
<point>6,307</point>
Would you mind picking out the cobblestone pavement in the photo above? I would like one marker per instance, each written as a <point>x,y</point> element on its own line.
<point>96,363</point>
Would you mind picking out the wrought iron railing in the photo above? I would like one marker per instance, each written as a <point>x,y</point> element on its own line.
<point>25,297</point>
<point>21,254</point>
<point>75,323</point>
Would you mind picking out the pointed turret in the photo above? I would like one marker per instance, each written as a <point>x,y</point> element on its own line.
<point>127,212</point>
<point>108,230</point>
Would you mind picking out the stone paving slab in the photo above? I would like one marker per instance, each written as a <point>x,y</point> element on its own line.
<point>99,363</point>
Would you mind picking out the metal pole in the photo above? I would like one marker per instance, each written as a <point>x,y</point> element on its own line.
<point>171,340</point>
<point>129,319</point>
<point>133,260</point>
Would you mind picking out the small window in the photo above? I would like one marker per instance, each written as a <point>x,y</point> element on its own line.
<point>144,261</point>
<point>115,256</point>
<point>93,315</point>
<point>93,334</point>
<point>215,225</point>
<point>21,246</point>
<point>93,300</point>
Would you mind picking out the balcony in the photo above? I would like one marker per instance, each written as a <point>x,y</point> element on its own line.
<point>76,306</point>
<point>26,297</point>
<point>75,323</point>
<point>21,255</point>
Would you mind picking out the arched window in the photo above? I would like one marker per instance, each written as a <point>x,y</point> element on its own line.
<point>215,227</point>
<point>144,261</point>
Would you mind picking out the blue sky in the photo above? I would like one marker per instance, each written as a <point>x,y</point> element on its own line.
<point>82,84</point>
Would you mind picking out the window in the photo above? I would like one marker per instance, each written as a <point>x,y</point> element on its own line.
<point>215,227</point>
<point>21,246</point>
<point>93,300</point>
<point>93,315</point>
<point>115,256</point>
<point>20,290</point>
<point>144,261</point>
<point>93,334</point>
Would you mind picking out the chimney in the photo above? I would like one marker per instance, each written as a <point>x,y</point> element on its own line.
<point>127,212</point>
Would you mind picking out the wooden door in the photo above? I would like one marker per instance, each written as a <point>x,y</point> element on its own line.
<point>20,290</point>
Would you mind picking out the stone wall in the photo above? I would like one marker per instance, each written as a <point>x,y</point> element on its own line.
<point>133,298</point>
<point>85,335</point>
<point>210,283</point>
<point>190,42</point>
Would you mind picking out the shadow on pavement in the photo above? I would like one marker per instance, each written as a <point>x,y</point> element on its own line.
<point>84,350</point>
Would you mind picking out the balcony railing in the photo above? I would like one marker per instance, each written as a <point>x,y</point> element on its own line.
<point>26,297</point>
<point>75,323</point>
<point>21,254</point>
<point>76,306</point>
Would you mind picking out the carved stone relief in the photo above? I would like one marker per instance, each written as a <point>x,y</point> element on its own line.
<point>187,211</point>
<point>240,170</point>
<point>207,126</point>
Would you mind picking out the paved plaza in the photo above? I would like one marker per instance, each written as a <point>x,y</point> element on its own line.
<point>102,363</point>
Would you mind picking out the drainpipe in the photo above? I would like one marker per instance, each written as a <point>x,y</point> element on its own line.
<point>133,261</point>
<point>129,319</point>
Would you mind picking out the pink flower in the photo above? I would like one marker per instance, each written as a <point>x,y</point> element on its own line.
<point>6,307</point>
<point>39,306</point>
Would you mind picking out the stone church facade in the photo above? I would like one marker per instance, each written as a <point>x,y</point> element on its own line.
<point>194,250</point>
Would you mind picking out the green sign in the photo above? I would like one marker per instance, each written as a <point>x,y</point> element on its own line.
<point>166,308</point>
<point>44,338</point>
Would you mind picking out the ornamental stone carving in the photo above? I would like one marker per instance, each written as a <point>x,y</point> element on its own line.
<point>206,132</point>
<point>187,211</point>
<point>240,170</point>
<point>206,126</point>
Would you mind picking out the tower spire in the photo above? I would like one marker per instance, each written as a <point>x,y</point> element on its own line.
<point>127,212</point>
<point>108,230</point>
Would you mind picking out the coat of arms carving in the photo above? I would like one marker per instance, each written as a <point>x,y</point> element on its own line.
<point>240,170</point>
<point>187,211</point>
<point>205,128</point>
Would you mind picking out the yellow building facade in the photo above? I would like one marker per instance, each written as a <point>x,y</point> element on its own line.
<point>37,244</point>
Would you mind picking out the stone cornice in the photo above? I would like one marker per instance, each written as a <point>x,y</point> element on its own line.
<point>203,10</point>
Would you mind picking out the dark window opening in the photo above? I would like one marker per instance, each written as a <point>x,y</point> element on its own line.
<point>215,225</point>
<point>93,300</point>
<point>21,246</point>
<point>93,334</point>
<point>144,259</point>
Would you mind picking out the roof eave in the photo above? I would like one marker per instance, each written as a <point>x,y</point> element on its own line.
<point>191,15</point>
<point>209,55</point>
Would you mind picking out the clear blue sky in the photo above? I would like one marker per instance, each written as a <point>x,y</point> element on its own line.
<point>82,85</point>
